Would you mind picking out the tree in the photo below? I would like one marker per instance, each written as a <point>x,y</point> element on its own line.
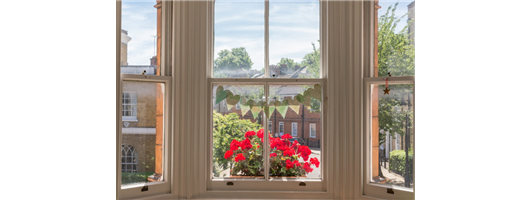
<point>312,61</point>
<point>289,63</point>
<point>395,50</point>
<point>232,63</point>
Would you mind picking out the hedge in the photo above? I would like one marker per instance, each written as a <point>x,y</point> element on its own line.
<point>133,177</point>
<point>397,162</point>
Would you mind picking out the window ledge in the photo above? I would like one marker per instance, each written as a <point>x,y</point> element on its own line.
<point>129,120</point>
<point>137,130</point>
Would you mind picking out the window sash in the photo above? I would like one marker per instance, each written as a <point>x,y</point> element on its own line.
<point>373,189</point>
<point>217,188</point>
<point>266,184</point>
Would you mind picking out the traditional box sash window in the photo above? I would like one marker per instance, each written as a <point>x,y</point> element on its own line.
<point>146,99</point>
<point>389,104</point>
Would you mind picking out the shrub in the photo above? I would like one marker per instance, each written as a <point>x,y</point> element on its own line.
<point>397,162</point>
<point>134,177</point>
<point>225,129</point>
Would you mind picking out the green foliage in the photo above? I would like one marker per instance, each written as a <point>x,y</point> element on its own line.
<point>252,165</point>
<point>232,63</point>
<point>396,53</point>
<point>134,177</point>
<point>312,61</point>
<point>225,129</point>
<point>397,161</point>
<point>393,115</point>
<point>289,63</point>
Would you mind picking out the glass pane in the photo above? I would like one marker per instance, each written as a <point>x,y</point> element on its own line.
<point>396,49</point>
<point>294,39</point>
<point>143,140</point>
<point>295,156</point>
<point>392,145</point>
<point>239,39</point>
<point>238,133</point>
<point>141,37</point>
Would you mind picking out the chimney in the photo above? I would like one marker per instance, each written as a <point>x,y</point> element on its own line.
<point>124,40</point>
<point>153,61</point>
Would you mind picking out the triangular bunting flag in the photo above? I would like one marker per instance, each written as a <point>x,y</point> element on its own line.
<point>231,100</point>
<point>294,105</point>
<point>244,107</point>
<point>281,107</point>
<point>269,110</point>
<point>255,111</point>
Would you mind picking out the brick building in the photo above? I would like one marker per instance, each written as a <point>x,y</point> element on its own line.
<point>139,103</point>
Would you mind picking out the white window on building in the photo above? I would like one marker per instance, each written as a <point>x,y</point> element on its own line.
<point>129,159</point>
<point>281,127</point>
<point>389,104</point>
<point>294,129</point>
<point>129,107</point>
<point>144,81</point>
<point>313,130</point>
<point>270,126</point>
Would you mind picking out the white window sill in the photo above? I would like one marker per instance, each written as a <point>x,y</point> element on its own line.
<point>138,130</point>
<point>129,119</point>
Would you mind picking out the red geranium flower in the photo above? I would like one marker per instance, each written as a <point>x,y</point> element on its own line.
<point>234,145</point>
<point>304,151</point>
<point>240,157</point>
<point>288,152</point>
<point>286,136</point>
<point>249,134</point>
<point>260,133</point>
<point>273,155</point>
<point>245,144</point>
<point>297,163</point>
<point>289,164</point>
<point>275,143</point>
<point>228,154</point>
<point>307,167</point>
<point>315,162</point>
<point>295,143</point>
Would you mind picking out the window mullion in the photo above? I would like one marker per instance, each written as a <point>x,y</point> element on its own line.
<point>267,74</point>
<point>266,136</point>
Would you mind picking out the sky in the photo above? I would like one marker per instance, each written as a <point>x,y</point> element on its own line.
<point>293,26</point>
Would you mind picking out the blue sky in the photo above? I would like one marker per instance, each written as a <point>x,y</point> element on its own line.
<point>293,26</point>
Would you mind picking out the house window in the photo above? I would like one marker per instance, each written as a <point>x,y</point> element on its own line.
<point>270,126</point>
<point>129,159</point>
<point>259,57</point>
<point>294,129</point>
<point>390,103</point>
<point>146,97</point>
<point>312,130</point>
<point>129,106</point>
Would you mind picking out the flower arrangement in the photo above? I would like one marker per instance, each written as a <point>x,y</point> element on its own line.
<point>285,157</point>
